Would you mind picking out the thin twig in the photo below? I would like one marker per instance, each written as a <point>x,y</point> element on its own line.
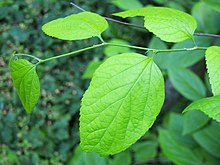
<point>207,35</point>
<point>77,6</point>
<point>110,19</point>
<point>142,27</point>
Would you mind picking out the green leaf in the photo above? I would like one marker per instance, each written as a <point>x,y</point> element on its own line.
<point>82,158</point>
<point>192,117</point>
<point>213,4</point>
<point>179,154</point>
<point>187,83</point>
<point>115,50</point>
<point>76,26</point>
<point>208,138</point>
<point>168,24</point>
<point>144,151</point>
<point>127,5</point>
<point>121,158</point>
<point>175,128</point>
<point>93,65</point>
<point>205,15</point>
<point>213,64</point>
<point>210,106</point>
<point>125,96</point>
<point>26,82</point>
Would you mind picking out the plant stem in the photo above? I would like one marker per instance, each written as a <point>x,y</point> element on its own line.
<point>158,50</point>
<point>121,45</point>
<point>182,49</point>
<point>72,53</point>
<point>130,46</point>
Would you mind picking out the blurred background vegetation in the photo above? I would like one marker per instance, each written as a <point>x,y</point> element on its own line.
<point>50,135</point>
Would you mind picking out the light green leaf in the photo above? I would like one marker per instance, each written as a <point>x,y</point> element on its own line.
<point>213,64</point>
<point>127,5</point>
<point>215,4</point>
<point>168,24</point>
<point>26,82</point>
<point>187,83</point>
<point>208,138</point>
<point>115,50</point>
<point>122,102</point>
<point>93,65</point>
<point>210,106</point>
<point>192,117</point>
<point>76,26</point>
<point>179,154</point>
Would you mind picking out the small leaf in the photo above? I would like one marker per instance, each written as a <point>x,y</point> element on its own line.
<point>209,105</point>
<point>122,102</point>
<point>213,64</point>
<point>192,117</point>
<point>187,83</point>
<point>26,82</point>
<point>208,138</point>
<point>76,26</point>
<point>168,24</point>
<point>93,65</point>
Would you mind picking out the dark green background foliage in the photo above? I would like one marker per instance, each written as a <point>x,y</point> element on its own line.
<point>50,134</point>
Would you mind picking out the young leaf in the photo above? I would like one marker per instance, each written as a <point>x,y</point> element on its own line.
<point>76,26</point>
<point>122,102</point>
<point>187,83</point>
<point>26,82</point>
<point>213,64</point>
<point>168,24</point>
<point>210,106</point>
